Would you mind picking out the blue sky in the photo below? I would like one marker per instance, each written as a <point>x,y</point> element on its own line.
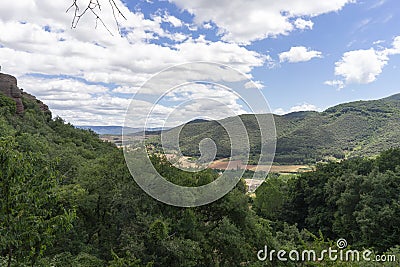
<point>304,55</point>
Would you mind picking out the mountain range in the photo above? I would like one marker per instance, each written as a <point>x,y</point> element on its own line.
<point>117,130</point>
<point>361,128</point>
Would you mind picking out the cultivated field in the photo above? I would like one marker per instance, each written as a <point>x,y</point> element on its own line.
<point>237,164</point>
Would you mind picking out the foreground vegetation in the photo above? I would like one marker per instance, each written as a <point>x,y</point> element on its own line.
<point>67,199</point>
<point>356,199</point>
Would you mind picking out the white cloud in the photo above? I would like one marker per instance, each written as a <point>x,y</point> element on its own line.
<point>301,107</point>
<point>174,21</point>
<point>378,42</point>
<point>395,49</point>
<point>363,66</point>
<point>254,84</point>
<point>42,86</point>
<point>203,100</point>
<point>299,54</point>
<point>262,19</point>
<point>126,90</point>
<point>303,24</point>
<point>221,52</point>
<point>335,83</point>
<point>76,101</point>
<point>207,26</point>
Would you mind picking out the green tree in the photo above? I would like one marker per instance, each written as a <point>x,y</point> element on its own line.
<point>271,196</point>
<point>29,214</point>
<point>388,160</point>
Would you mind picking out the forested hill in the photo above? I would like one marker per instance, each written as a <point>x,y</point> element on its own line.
<point>361,128</point>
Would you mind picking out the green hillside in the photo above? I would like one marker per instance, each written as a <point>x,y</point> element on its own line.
<point>362,128</point>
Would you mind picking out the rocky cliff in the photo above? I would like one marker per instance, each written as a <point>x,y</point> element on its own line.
<point>9,87</point>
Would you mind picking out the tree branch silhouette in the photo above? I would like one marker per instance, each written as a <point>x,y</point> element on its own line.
<point>94,7</point>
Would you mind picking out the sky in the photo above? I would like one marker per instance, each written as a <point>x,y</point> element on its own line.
<point>301,55</point>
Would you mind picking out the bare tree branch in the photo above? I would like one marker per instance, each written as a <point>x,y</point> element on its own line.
<point>94,7</point>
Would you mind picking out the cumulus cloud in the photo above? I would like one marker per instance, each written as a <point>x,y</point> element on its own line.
<point>363,66</point>
<point>303,24</point>
<point>395,49</point>
<point>262,18</point>
<point>299,54</point>
<point>76,101</point>
<point>301,107</point>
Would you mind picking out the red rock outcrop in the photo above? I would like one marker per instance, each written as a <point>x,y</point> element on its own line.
<point>42,106</point>
<point>8,86</point>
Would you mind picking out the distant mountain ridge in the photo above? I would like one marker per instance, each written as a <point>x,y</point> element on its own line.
<point>117,130</point>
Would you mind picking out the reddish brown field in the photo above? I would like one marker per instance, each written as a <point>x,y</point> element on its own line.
<point>223,164</point>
